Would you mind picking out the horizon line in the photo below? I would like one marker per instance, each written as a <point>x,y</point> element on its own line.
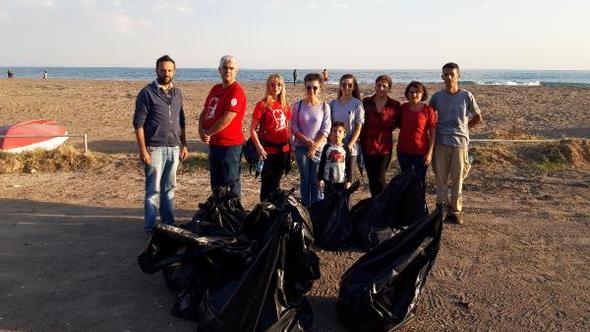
<point>339,69</point>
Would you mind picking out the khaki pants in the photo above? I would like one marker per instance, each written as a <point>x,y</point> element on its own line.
<point>450,162</point>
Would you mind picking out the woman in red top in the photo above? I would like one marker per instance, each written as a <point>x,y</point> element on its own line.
<point>270,130</point>
<point>377,133</point>
<point>417,131</point>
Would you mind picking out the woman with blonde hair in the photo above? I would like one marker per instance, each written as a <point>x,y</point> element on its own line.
<point>271,130</point>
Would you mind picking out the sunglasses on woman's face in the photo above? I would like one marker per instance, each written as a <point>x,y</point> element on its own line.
<point>347,85</point>
<point>314,87</point>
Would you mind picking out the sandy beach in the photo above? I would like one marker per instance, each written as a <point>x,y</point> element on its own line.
<point>69,240</point>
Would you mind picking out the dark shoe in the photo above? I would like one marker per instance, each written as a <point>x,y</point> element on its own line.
<point>454,219</point>
<point>450,219</point>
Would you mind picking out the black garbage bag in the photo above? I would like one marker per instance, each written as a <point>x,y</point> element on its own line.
<point>253,281</point>
<point>221,214</point>
<point>400,204</point>
<point>332,225</point>
<point>381,290</point>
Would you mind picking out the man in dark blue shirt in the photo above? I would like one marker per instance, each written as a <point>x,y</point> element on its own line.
<point>159,124</point>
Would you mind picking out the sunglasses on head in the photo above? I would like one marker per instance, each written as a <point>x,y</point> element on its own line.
<point>314,87</point>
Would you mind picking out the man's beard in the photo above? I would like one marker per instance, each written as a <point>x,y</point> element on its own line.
<point>164,80</point>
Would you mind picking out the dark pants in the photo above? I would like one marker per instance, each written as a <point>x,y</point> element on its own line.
<point>413,162</point>
<point>376,166</point>
<point>354,166</point>
<point>224,167</point>
<point>274,167</point>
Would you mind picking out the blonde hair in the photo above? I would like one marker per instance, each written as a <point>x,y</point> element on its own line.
<point>282,97</point>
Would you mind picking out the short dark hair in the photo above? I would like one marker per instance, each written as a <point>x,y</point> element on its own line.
<point>451,65</point>
<point>337,124</point>
<point>312,77</point>
<point>165,58</point>
<point>418,86</point>
<point>384,78</point>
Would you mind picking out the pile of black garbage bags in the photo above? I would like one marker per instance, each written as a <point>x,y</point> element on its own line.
<point>234,270</point>
<point>239,271</point>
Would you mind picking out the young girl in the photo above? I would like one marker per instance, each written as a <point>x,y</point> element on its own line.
<point>417,131</point>
<point>271,130</point>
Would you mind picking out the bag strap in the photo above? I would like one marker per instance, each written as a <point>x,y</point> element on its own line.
<point>299,113</point>
<point>261,123</point>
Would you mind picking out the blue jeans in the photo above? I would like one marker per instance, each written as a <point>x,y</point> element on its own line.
<point>308,176</point>
<point>225,168</point>
<point>413,162</point>
<point>160,181</point>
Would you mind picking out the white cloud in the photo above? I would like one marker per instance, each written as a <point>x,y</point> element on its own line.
<point>178,6</point>
<point>37,3</point>
<point>127,24</point>
<point>339,4</point>
<point>183,9</point>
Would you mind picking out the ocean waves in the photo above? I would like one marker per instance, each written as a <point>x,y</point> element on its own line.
<point>550,78</point>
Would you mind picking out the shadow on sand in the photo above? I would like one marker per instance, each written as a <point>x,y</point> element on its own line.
<point>67,267</point>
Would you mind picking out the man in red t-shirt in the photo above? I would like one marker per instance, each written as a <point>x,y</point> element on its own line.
<point>220,126</point>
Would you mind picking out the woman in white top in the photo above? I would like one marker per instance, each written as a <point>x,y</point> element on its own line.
<point>348,109</point>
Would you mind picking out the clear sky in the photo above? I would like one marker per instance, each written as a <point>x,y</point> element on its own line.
<point>356,34</point>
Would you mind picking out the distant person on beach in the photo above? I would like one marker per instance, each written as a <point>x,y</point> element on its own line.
<point>10,74</point>
<point>310,126</point>
<point>325,76</point>
<point>417,127</point>
<point>220,126</point>
<point>294,77</point>
<point>335,171</point>
<point>348,109</point>
<point>159,124</point>
<point>271,132</point>
<point>457,112</point>
<point>44,75</point>
<point>381,112</point>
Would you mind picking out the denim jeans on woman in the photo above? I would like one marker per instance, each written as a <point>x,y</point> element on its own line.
<point>414,163</point>
<point>160,181</point>
<point>225,168</point>
<point>308,176</point>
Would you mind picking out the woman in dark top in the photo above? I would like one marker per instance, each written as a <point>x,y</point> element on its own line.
<point>381,113</point>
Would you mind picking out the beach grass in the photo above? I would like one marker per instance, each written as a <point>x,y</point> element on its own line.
<point>536,157</point>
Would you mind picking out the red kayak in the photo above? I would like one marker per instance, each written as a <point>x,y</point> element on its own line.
<point>31,135</point>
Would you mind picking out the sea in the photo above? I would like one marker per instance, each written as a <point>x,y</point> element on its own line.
<point>556,78</point>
